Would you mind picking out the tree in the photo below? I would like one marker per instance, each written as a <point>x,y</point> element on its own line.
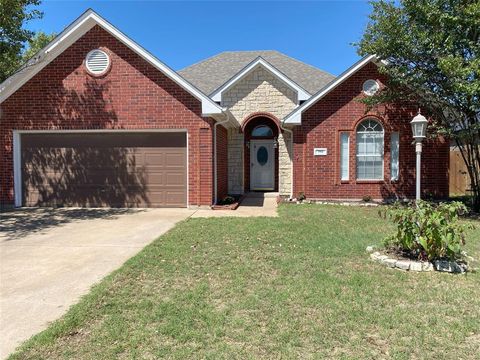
<point>36,43</point>
<point>14,14</point>
<point>430,54</point>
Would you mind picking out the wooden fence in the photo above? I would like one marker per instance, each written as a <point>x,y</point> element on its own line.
<point>459,183</point>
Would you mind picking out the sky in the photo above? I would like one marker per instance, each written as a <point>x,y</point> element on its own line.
<point>181,33</point>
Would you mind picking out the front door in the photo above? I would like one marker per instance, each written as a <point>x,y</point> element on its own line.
<point>262,165</point>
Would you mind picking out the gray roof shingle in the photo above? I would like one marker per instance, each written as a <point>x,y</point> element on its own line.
<point>208,75</point>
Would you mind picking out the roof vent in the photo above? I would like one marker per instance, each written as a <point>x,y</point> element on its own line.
<point>97,62</point>
<point>370,87</point>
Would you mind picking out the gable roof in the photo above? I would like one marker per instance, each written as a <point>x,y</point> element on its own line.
<point>302,94</point>
<point>75,31</point>
<point>210,74</point>
<point>295,117</point>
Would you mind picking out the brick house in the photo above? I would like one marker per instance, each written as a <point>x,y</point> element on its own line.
<point>95,120</point>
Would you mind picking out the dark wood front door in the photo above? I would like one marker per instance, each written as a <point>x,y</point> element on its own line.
<point>104,169</point>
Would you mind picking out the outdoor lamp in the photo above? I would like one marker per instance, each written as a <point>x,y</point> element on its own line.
<point>419,130</point>
<point>419,127</point>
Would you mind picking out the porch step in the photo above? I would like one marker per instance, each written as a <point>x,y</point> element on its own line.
<point>258,194</point>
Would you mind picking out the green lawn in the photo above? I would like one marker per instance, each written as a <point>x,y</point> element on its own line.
<point>297,286</point>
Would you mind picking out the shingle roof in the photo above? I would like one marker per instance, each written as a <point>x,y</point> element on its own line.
<point>208,75</point>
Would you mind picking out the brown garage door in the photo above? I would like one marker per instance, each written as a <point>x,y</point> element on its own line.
<point>104,169</point>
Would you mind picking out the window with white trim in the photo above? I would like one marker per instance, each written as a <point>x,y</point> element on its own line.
<point>370,150</point>
<point>394,155</point>
<point>344,155</point>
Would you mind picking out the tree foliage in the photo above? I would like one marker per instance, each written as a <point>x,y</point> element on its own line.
<point>36,43</point>
<point>14,14</point>
<point>430,51</point>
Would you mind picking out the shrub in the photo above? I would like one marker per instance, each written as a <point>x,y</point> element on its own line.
<point>227,200</point>
<point>427,231</point>
<point>301,196</point>
<point>367,198</point>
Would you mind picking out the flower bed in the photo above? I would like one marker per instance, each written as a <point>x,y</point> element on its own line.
<point>230,202</point>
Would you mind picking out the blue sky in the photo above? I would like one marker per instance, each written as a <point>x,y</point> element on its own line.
<point>181,33</point>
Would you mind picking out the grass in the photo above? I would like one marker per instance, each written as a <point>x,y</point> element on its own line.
<point>297,286</point>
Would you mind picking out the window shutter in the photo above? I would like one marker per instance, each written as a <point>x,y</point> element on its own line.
<point>394,155</point>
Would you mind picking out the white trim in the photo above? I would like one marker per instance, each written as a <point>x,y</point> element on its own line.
<point>17,168</point>
<point>295,117</point>
<point>17,147</point>
<point>187,138</point>
<point>347,133</point>
<point>395,178</point>
<point>88,67</point>
<point>382,178</point>
<point>302,94</point>
<point>88,131</point>
<point>76,30</point>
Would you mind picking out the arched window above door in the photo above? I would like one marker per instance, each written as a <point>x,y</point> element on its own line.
<point>262,131</point>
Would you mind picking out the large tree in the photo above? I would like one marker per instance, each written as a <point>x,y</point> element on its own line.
<point>430,51</point>
<point>36,43</point>
<point>14,37</point>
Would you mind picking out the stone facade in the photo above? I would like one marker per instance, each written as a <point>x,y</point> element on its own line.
<point>284,163</point>
<point>259,91</point>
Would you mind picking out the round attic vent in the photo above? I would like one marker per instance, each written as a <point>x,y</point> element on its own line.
<point>97,62</point>
<point>370,87</point>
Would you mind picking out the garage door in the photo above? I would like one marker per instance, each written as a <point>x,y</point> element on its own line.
<point>104,169</point>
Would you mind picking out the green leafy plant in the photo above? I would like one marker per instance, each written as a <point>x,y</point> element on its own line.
<point>301,196</point>
<point>227,200</point>
<point>426,231</point>
<point>367,198</point>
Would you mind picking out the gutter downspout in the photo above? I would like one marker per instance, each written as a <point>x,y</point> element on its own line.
<point>291,159</point>
<point>215,185</point>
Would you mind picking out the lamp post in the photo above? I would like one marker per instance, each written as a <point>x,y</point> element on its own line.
<point>419,130</point>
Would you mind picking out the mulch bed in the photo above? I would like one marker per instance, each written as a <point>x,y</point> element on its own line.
<point>232,206</point>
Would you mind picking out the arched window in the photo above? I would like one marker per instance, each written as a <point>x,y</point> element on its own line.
<point>370,150</point>
<point>262,131</point>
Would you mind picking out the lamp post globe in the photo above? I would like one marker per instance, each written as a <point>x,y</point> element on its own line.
<point>419,127</point>
<point>419,131</point>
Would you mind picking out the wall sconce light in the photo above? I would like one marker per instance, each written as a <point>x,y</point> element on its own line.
<point>275,142</point>
<point>247,144</point>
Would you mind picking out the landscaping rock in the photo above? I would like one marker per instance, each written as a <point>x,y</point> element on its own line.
<point>416,266</point>
<point>403,264</point>
<point>427,266</point>
<point>389,262</point>
<point>448,266</point>
<point>411,265</point>
<point>370,248</point>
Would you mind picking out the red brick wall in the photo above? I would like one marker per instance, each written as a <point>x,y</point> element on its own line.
<point>319,176</point>
<point>132,95</point>
<point>222,162</point>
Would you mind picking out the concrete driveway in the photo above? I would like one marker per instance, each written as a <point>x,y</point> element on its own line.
<point>49,258</point>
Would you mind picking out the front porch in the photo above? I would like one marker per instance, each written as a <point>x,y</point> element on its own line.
<point>259,156</point>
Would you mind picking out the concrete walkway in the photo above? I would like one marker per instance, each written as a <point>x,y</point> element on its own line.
<point>49,258</point>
